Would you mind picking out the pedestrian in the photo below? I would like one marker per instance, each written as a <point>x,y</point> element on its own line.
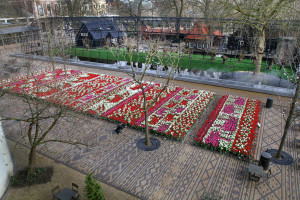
<point>119,128</point>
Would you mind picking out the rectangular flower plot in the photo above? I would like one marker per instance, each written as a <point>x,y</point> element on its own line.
<point>171,116</point>
<point>117,99</point>
<point>40,84</point>
<point>83,88</point>
<point>231,127</point>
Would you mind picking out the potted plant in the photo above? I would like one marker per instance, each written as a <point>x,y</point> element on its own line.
<point>225,58</point>
<point>212,54</point>
<point>241,56</point>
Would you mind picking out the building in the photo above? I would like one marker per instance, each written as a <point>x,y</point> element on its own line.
<point>201,38</point>
<point>162,32</point>
<point>99,33</point>
<point>53,8</point>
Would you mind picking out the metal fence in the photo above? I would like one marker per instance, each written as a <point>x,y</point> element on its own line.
<point>210,47</point>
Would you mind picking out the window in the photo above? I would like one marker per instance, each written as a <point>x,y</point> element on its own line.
<point>100,13</point>
<point>199,45</point>
<point>56,9</point>
<point>111,28</point>
<point>43,27</point>
<point>48,9</point>
<point>41,10</point>
<point>241,43</point>
<point>191,45</point>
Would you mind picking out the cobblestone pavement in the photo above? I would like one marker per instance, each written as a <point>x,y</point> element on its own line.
<point>175,170</point>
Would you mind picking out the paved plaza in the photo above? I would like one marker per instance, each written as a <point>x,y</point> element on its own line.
<point>177,170</point>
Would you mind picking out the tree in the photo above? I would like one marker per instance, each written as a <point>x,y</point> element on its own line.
<point>209,9</point>
<point>149,58</point>
<point>9,9</point>
<point>295,78</point>
<point>93,190</point>
<point>178,5</point>
<point>174,8</point>
<point>257,14</point>
<point>74,8</point>
<point>37,118</point>
<point>205,7</point>
<point>291,117</point>
<point>130,8</point>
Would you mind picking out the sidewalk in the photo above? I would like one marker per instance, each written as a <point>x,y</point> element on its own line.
<point>63,176</point>
<point>175,171</point>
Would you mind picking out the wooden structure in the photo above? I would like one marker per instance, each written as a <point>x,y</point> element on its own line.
<point>99,33</point>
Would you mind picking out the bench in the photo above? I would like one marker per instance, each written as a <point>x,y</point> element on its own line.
<point>256,172</point>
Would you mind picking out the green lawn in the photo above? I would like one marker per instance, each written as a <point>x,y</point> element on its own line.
<point>200,62</point>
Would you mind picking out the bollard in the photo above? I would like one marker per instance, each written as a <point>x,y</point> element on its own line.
<point>265,159</point>
<point>269,103</point>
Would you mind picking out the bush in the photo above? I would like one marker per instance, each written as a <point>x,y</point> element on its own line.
<point>93,190</point>
<point>39,176</point>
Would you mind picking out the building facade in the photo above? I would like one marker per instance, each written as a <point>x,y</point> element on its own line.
<point>54,8</point>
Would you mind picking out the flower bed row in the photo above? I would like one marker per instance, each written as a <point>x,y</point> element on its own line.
<point>117,99</point>
<point>231,127</point>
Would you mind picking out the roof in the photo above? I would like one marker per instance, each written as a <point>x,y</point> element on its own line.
<point>200,31</point>
<point>101,28</point>
<point>17,29</point>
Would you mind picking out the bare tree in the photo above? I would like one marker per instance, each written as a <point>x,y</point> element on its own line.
<point>37,118</point>
<point>74,8</point>
<point>294,78</point>
<point>150,57</point>
<point>290,118</point>
<point>57,40</point>
<point>174,8</point>
<point>25,104</point>
<point>258,14</point>
<point>209,9</point>
<point>130,8</point>
<point>10,10</point>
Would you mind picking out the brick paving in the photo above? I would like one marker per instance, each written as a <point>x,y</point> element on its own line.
<point>175,170</point>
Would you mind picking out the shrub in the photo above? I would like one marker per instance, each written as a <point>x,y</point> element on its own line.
<point>93,190</point>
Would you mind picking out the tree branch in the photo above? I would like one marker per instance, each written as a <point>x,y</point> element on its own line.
<point>50,128</point>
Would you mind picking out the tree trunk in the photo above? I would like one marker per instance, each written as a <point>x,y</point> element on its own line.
<point>140,65</point>
<point>270,63</point>
<point>140,8</point>
<point>177,29</point>
<point>260,51</point>
<point>212,57</point>
<point>148,143</point>
<point>34,9</point>
<point>289,120</point>
<point>118,7</point>
<point>31,160</point>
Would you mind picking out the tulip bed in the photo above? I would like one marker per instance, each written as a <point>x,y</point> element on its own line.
<point>231,127</point>
<point>116,99</point>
